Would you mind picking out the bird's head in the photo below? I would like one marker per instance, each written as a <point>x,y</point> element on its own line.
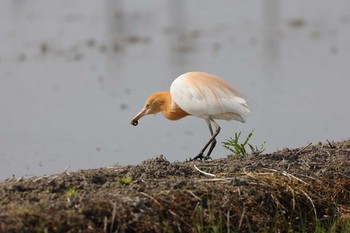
<point>153,105</point>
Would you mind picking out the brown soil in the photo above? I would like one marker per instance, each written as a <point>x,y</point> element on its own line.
<point>288,190</point>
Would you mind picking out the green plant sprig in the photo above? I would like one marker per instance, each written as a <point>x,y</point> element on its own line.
<point>239,149</point>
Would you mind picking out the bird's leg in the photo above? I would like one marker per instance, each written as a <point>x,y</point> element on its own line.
<point>211,142</point>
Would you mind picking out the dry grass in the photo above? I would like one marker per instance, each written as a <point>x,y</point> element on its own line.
<point>302,190</point>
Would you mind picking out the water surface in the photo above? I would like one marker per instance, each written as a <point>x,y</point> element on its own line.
<point>74,73</point>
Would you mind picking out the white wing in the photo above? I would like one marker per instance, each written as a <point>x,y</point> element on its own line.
<point>201,94</point>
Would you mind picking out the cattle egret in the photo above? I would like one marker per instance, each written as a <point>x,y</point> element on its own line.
<point>202,95</point>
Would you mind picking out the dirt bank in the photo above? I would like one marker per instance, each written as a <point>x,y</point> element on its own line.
<point>292,189</point>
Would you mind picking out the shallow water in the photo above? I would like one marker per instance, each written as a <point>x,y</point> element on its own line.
<point>74,73</point>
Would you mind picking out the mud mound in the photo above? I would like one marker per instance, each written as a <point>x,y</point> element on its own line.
<point>289,190</point>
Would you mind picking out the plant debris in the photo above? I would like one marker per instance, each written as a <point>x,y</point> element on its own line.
<point>291,190</point>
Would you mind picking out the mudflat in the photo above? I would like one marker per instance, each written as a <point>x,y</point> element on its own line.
<point>293,190</point>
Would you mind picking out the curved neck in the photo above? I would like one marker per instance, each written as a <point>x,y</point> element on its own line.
<point>170,109</point>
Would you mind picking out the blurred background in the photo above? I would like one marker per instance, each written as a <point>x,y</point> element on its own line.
<point>73,73</point>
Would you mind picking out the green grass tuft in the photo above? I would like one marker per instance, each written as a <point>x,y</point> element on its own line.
<point>125,180</point>
<point>71,192</point>
<point>239,149</point>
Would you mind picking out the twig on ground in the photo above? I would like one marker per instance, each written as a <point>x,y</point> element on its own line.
<point>278,203</point>
<point>203,172</point>
<point>287,174</point>
<point>241,219</point>
<point>53,178</point>
<point>226,180</point>
<point>41,177</point>
<point>228,221</point>
<point>114,212</point>
<point>152,198</point>
<point>301,150</point>
<point>105,224</point>
<point>312,203</point>
<point>195,209</point>
<point>66,170</point>
<point>290,175</point>
<point>194,195</point>
<point>255,177</point>
<point>330,144</point>
<point>293,194</point>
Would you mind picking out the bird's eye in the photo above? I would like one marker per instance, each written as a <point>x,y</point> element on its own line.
<point>148,105</point>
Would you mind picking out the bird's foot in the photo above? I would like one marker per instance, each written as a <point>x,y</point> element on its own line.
<point>201,157</point>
